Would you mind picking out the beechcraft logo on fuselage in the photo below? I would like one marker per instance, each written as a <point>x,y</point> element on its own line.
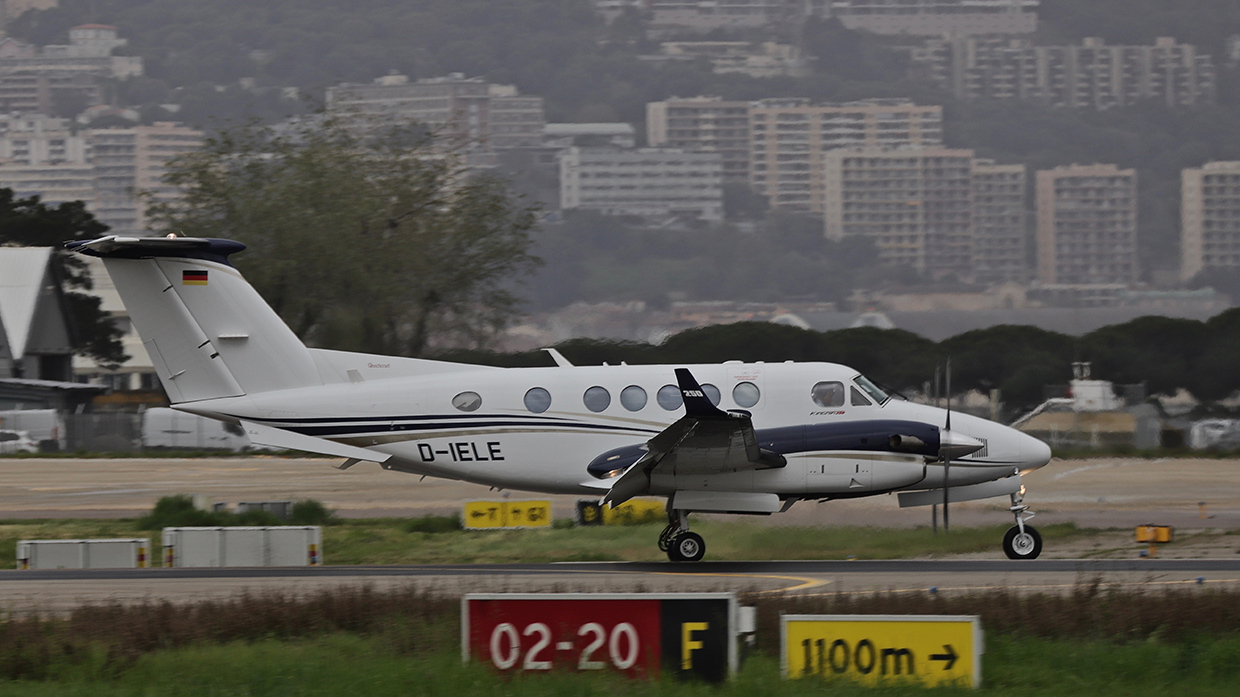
<point>194,278</point>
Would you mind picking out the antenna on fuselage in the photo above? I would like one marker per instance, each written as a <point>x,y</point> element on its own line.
<point>559,358</point>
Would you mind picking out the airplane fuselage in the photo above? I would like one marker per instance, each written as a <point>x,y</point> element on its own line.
<point>490,426</point>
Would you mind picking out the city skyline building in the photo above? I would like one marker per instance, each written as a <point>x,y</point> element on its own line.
<point>931,17</point>
<point>915,203</point>
<point>704,124</point>
<point>1000,234</point>
<point>1091,75</point>
<point>1210,218</point>
<point>463,113</point>
<point>1087,225</point>
<point>45,80</point>
<point>647,182</point>
<point>788,138</point>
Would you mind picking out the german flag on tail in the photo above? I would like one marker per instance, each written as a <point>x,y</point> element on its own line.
<point>194,278</point>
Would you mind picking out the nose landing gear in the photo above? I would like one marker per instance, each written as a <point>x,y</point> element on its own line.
<point>677,541</point>
<point>1021,541</point>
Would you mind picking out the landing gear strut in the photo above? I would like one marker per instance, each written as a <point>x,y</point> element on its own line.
<point>1021,541</point>
<point>677,541</point>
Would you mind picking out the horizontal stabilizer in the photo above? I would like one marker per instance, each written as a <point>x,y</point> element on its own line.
<point>280,438</point>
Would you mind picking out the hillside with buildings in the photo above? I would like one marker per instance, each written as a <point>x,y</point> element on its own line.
<point>828,163</point>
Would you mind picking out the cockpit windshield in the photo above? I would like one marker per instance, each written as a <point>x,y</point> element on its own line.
<point>871,389</point>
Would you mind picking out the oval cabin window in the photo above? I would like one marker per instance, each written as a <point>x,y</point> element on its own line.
<point>745,394</point>
<point>537,400</point>
<point>669,397</point>
<point>596,399</point>
<point>633,398</point>
<point>467,401</point>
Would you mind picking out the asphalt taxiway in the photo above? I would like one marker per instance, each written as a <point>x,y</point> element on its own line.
<point>59,590</point>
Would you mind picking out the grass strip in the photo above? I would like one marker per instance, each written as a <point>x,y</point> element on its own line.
<point>343,663</point>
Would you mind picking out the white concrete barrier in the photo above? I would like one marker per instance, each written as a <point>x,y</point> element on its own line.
<point>285,545</point>
<point>124,553</point>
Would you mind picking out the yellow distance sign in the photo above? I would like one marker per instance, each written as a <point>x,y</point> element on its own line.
<point>927,650</point>
<point>635,511</point>
<point>487,515</point>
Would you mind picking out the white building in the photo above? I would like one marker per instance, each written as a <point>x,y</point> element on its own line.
<point>462,112</point>
<point>129,161</point>
<point>645,182</point>
<point>916,204</point>
<point>933,17</point>
<point>1210,218</point>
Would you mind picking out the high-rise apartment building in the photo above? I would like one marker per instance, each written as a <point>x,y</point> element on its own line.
<point>1090,76</point>
<point>1210,218</point>
<point>464,113</point>
<point>1087,225</point>
<point>104,168</point>
<point>34,139</point>
<point>916,204</point>
<point>788,138</point>
<point>932,17</point>
<point>651,182</point>
<point>704,124</point>
<point>42,156</point>
<point>39,80</point>
<point>1000,238</point>
<point>53,184</point>
<point>720,14</point>
<point>128,161</point>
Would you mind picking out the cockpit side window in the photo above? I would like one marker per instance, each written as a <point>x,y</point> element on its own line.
<point>876,393</point>
<point>828,394</point>
<point>856,399</point>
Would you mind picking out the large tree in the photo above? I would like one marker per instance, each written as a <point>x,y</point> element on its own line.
<point>374,240</point>
<point>31,223</point>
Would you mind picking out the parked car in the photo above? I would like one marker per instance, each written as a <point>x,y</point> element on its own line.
<point>17,442</point>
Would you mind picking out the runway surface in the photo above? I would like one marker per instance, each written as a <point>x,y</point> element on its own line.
<point>1200,497</point>
<point>60,590</point>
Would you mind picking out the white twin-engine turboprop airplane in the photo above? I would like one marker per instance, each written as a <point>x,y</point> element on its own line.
<point>732,438</point>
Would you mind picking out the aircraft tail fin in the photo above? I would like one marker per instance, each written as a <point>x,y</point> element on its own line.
<point>208,332</point>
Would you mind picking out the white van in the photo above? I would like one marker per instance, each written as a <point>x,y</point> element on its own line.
<point>168,428</point>
<point>44,426</point>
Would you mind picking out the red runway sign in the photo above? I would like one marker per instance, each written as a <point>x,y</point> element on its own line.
<point>640,635</point>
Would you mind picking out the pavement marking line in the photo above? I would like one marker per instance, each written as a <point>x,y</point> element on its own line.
<point>805,581</point>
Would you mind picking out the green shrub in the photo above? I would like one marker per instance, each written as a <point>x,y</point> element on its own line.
<point>434,523</point>
<point>312,512</point>
<point>177,511</point>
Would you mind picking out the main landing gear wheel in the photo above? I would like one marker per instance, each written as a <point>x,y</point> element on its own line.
<point>688,546</point>
<point>1022,544</point>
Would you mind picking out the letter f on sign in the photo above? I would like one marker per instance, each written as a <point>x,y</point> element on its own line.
<point>688,644</point>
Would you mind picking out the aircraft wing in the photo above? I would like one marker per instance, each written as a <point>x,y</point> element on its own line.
<point>280,438</point>
<point>706,440</point>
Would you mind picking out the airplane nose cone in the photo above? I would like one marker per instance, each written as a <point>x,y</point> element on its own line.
<point>1033,454</point>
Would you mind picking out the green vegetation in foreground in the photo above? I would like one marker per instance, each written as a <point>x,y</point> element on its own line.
<point>402,541</point>
<point>343,663</point>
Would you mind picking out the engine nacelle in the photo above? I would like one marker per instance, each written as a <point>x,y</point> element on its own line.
<point>861,473</point>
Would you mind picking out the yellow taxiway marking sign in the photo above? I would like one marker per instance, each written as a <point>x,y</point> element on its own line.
<point>926,650</point>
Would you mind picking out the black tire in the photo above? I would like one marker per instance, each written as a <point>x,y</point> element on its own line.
<point>1018,546</point>
<point>687,547</point>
